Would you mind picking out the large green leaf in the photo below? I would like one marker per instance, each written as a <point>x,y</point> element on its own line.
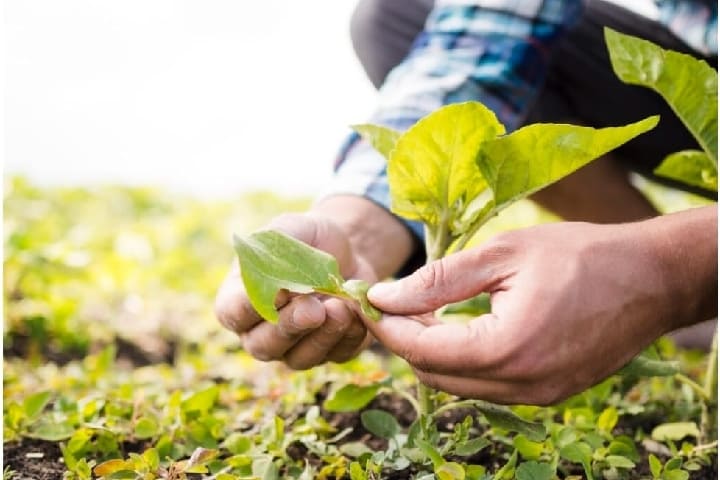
<point>271,261</point>
<point>687,84</point>
<point>692,167</point>
<point>383,139</point>
<point>432,171</point>
<point>538,155</point>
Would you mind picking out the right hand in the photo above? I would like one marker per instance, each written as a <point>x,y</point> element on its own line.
<point>312,329</point>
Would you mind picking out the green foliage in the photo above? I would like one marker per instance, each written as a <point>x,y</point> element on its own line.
<point>455,169</point>
<point>271,261</point>
<point>689,86</point>
<point>216,398</point>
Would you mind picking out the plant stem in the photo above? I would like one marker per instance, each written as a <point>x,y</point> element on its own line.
<point>708,418</point>
<point>696,387</point>
<point>437,241</point>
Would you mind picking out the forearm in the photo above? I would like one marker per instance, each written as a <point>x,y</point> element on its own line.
<point>686,247</point>
<point>374,233</point>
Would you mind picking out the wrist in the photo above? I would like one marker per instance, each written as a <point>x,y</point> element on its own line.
<point>375,235</point>
<point>685,246</point>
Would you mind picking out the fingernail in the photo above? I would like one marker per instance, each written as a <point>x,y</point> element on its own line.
<point>380,290</point>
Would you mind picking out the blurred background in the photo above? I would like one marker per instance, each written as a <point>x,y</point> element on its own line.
<point>212,97</point>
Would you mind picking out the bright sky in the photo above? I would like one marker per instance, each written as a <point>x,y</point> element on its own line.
<point>211,97</point>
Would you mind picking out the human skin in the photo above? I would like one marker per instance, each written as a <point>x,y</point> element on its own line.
<point>572,303</point>
<point>372,244</point>
<point>368,242</point>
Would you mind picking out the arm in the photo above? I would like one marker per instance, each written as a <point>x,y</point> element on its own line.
<point>571,304</point>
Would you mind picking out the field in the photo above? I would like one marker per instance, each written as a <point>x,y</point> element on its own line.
<point>115,367</point>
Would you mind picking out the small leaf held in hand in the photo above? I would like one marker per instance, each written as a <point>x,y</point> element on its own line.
<point>358,289</point>
<point>271,261</point>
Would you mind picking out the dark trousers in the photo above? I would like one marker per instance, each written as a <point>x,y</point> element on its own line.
<point>580,86</point>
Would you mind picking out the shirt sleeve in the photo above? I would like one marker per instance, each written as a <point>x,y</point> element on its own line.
<point>492,51</point>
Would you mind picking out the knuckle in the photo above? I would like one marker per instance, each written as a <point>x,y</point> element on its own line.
<point>257,348</point>
<point>298,363</point>
<point>427,379</point>
<point>432,274</point>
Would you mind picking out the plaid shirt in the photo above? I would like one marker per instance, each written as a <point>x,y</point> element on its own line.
<point>493,51</point>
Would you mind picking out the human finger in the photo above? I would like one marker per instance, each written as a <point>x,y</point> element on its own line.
<point>315,347</point>
<point>447,280</point>
<point>300,316</point>
<point>446,348</point>
<point>232,306</point>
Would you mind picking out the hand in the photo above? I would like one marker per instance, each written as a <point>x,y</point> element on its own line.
<point>312,329</point>
<point>571,304</point>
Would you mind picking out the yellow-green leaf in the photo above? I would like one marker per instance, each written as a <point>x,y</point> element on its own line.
<point>111,466</point>
<point>432,171</point>
<point>271,261</point>
<point>608,419</point>
<point>450,471</point>
<point>675,431</point>
<point>692,167</point>
<point>538,155</point>
<point>687,84</point>
<point>351,398</point>
<point>383,139</point>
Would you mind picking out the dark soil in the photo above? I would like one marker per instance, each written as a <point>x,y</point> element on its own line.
<point>49,467</point>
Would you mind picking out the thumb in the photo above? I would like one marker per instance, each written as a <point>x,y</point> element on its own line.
<point>447,280</point>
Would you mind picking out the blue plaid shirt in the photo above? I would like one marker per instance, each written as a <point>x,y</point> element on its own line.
<point>493,51</point>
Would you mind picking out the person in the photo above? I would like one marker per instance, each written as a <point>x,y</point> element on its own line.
<point>571,301</point>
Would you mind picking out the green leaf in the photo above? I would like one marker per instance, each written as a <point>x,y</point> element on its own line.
<point>351,398</point>
<point>535,156</point>
<point>645,366</point>
<point>432,172</point>
<point>146,427</point>
<point>676,475</point>
<point>507,471</point>
<point>52,431</point>
<point>655,466</point>
<point>579,452</point>
<point>383,139</point>
<point>608,419</point>
<point>534,471</point>
<point>471,446</point>
<point>111,466</point>
<point>237,443</point>
<point>271,261</point>
<point>201,401</point>
<point>430,452</point>
<point>619,461</point>
<point>687,84</point>
<point>380,423</point>
<point>675,431</point>
<point>357,289</point>
<point>502,417</point>
<point>527,448</point>
<point>625,446</point>
<point>692,167</point>
<point>450,471</point>
<point>356,472</point>
<point>35,404</point>
<point>474,306</point>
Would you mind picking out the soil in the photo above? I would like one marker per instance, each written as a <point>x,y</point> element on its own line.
<point>19,456</point>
